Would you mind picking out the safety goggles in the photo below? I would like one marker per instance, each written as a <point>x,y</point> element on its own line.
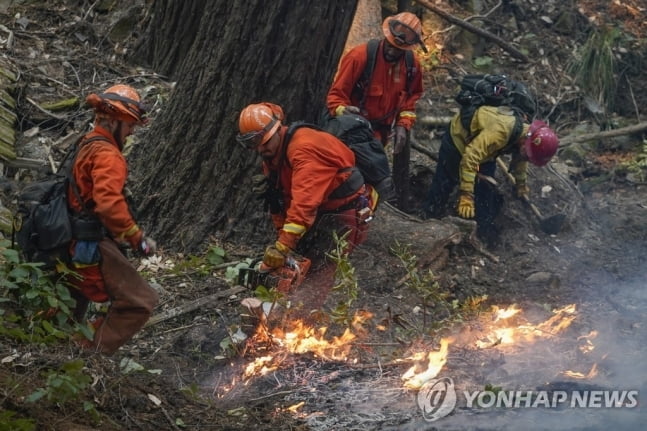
<point>128,103</point>
<point>403,35</point>
<point>251,140</point>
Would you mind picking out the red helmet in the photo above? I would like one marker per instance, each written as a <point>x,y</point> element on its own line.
<point>121,102</point>
<point>257,123</point>
<point>541,143</point>
<point>403,31</point>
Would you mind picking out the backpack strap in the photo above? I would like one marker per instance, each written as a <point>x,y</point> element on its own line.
<point>466,122</point>
<point>68,169</point>
<point>364,81</point>
<point>411,69</point>
<point>293,127</point>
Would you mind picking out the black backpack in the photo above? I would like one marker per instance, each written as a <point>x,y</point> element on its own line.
<point>44,225</point>
<point>495,90</point>
<point>365,79</point>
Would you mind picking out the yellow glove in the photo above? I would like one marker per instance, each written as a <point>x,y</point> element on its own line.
<point>341,110</point>
<point>466,205</point>
<point>274,256</point>
<point>523,192</point>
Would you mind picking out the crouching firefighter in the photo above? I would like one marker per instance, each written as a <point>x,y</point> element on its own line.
<point>103,219</point>
<point>467,156</point>
<point>314,181</point>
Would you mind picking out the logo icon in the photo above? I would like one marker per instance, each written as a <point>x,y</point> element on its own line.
<point>437,398</point>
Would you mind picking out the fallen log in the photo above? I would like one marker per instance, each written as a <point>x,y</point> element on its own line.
<point>628,130</point>
<point>469,27</point>
<point>193,305</point>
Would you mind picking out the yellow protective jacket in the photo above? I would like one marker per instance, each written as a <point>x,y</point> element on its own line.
<point>488,137</point>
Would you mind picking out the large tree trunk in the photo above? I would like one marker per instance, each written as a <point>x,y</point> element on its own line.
<point>191,177</point>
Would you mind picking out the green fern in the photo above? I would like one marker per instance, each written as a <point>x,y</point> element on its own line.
<point>594,67</point>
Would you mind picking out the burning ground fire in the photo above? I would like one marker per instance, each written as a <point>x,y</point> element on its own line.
<point>506,327</point>
<point>504,333</point>
<point>302,339</point>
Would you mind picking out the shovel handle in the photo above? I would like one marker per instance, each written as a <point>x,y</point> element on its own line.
<point>505,170</point>
<point>507,173</point>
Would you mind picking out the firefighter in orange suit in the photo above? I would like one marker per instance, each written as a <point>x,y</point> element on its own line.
<point>313,175</point>
<point>389,99</point>
<point>103,218</point>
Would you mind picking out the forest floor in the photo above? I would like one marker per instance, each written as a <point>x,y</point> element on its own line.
<point>576,300</point>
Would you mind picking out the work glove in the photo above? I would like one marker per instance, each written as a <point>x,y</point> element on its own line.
<point>341,110</point>
<point>399,139</point>
<point>466,205</point>
<point>523,192</point>
<point>147,246</point>
<point>275,255</point>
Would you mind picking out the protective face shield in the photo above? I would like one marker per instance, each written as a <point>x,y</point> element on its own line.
<point>403,31</point>
<point>257,123</point>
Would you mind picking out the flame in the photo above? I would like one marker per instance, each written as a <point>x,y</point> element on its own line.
<point>586,346</point>
<point>260,366</point>
<point>577,375</point>
<point>560,320</point>
<point>306,339</point>
<point>301,339</point>
<point>435,362</point>
<point>505,313</point>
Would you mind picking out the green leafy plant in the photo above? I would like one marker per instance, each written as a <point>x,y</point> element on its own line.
<point>35,306</point>
<point>216,255</point>
<point>65,385</point>
<point>345,281</point>
<point>423,283</point>
<point>594,65</point>
<point>637,166</point>
<point>9,423</point>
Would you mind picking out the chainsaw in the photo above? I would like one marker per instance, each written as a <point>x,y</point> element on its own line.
<point>284,279</point>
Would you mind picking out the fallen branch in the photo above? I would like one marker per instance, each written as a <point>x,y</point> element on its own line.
<point>43,110</point>
<point>635,128</point>
<point>193,305</point>
<point>484,33</point>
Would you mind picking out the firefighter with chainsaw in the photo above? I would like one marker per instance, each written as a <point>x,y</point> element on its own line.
<point>467,158</point>
<point>103,220</point>
<point>312,183</point>
<point>387,96</point>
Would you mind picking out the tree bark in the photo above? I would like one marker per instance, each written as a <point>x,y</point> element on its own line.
<point>192,180</point>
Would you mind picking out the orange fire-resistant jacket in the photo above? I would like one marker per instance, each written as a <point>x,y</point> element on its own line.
<point>314,164</point>
<point>100,173</point>
<point>386,95</point>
